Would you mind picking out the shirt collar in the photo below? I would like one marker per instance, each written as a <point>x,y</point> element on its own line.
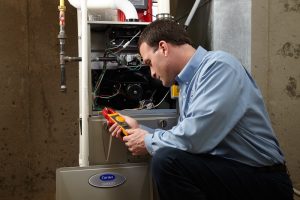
<point>191,67</point>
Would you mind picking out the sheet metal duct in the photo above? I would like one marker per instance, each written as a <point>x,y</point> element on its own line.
<point>219,25</point>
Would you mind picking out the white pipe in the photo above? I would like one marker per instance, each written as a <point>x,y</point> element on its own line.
<point>124,5</point>
<point>79,55</point>
<point>84,136</point>
<point>192,13</point>
<point>163,7</point>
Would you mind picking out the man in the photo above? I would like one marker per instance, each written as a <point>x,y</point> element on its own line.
<point>223,146</point>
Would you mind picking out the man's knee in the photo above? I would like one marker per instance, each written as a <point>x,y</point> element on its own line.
<point>163,160</point>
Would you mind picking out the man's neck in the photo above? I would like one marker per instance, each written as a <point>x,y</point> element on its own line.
<point>183,54</point>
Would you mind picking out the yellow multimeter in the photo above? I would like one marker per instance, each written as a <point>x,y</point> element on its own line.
<point>114,117</point>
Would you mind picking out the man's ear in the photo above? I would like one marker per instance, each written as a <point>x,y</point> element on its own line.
<point>163,45</point>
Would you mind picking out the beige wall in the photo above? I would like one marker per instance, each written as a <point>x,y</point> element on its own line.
<point>276,68</point>
<point>39,125</point>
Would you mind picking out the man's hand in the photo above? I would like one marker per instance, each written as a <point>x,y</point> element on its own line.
<point>115,129</point>
<point>135,141</point>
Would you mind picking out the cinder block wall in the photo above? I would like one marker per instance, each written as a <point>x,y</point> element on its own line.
<point>39,125</point>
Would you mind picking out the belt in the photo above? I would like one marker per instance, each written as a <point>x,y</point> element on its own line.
<point>273,168</point>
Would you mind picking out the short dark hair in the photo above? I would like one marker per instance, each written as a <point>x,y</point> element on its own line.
<point>164,29</point>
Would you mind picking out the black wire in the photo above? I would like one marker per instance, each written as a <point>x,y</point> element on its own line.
<point>183,16</point>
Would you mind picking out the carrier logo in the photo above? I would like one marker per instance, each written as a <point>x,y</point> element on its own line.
<point>107,177</point>
<point>106,180</point>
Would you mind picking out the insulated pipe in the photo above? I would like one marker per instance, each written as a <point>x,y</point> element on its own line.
<point>192,13</point>
<point>124,5</point>
<point>84,137</point>
<point>62,38</point>
<point>163,9</point>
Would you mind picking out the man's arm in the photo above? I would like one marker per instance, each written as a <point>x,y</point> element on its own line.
<point>212,111</point>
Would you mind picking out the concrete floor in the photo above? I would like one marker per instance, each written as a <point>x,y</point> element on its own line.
<point>39,125</point>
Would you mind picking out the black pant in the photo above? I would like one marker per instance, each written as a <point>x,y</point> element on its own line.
<point>182,175</point>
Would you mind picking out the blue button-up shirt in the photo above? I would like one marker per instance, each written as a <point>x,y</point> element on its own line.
<point>221,113</point>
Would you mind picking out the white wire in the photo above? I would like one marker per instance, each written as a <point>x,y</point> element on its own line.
<point>109,147</point>
<point>128,42</point>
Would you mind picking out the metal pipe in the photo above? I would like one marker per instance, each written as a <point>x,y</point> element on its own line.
<point>62,38</point>
<point>192,13</point>
<point>72,59</point>
<point>97,59</point>
<point>84,137</point>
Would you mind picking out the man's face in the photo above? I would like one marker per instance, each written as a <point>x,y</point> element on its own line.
<point>157,60</point>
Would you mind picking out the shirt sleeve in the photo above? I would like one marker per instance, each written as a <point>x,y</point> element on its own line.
<point>212,110</point>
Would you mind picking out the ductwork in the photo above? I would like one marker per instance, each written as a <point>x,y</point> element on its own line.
<point>124,5</point>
